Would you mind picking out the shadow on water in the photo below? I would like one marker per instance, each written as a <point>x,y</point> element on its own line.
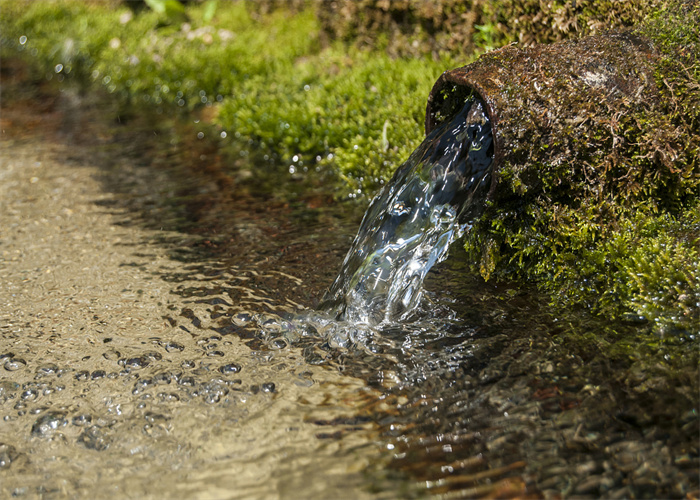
<point>490,393</point>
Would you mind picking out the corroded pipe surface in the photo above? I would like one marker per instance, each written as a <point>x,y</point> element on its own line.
<point>553,103</point>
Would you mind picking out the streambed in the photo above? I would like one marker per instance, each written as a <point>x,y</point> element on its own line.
<point>131,269</point>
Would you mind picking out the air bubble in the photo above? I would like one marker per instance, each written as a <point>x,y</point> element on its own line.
<point>172,346</point>
<point>47,425</point>
<point>22,40</point>
<point>58,68</point>
<point>279,344</point>
<point>8,454</point>
<point>14,364</point>
<point>214,391</point>
<point>94,438</point>
<point>230,368</point>
<point>162,378</point>
<point>82,420</point>
<point>47,369</point>
<point>30,395</point>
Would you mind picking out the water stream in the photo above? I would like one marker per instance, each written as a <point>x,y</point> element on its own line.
<point>412,222</point>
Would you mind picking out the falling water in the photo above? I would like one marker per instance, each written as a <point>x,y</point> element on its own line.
<point>410,225</point>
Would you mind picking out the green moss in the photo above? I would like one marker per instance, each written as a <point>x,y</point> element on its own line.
<point>604,214</point>
<point>255,72</point>
<point>625,243</point>
<point>466,26</point>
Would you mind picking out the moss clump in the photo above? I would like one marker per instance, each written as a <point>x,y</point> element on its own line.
<point>404,27</point>
<point>599,177</point>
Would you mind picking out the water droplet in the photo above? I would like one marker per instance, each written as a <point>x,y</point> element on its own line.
<point>268,387</point>
<point>153,355</point>
<point>97,374</point>
<point>22,40</point>
<point>155,418</point>
<point>200,135</point>
<point>186,381</point>
<point>223,134</point>
<point>141,385</point>
<point>58,68</point>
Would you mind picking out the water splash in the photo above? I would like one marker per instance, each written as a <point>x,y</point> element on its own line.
<point>410,225</point>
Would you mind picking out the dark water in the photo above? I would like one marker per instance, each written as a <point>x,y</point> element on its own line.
<point>203,368</point>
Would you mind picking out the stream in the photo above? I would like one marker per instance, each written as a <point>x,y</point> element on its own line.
<point>173,325</point>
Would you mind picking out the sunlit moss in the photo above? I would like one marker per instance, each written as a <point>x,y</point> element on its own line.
<point>611,225</point>
<point>271,79</point>
<point>265,78</point>
<point>466,26</point>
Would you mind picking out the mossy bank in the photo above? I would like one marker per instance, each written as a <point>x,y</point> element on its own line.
<point>597,169</point>
<point>262,80</point>
<point>283,82</point>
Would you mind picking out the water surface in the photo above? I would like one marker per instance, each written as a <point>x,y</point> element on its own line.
<point>151,346</point>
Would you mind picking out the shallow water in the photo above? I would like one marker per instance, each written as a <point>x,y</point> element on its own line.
<point>149,345</point>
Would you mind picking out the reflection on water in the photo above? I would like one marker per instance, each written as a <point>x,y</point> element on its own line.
<point>157,339</point>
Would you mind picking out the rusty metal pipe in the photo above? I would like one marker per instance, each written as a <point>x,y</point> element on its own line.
<point>552,104</point>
